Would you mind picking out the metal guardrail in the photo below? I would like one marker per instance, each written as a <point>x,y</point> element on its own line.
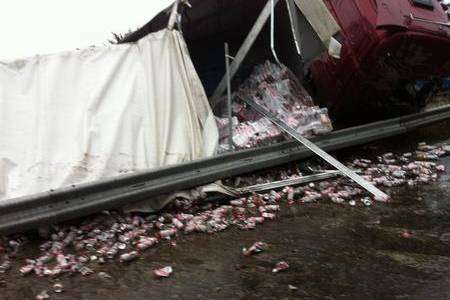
<point>54,206</point>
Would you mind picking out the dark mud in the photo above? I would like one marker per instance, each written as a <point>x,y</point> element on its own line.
<point>395,251</point>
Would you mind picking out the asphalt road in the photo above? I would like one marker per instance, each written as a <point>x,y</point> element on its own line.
<point>334,252</point>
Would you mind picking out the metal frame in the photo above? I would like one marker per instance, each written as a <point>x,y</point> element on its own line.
<point>272,31</point>
<point>81,200</point>
<point>379,195</point>
<point>290,4</point>
<point>229,100</point>
<point>290,182</point>
<point>245,48</point>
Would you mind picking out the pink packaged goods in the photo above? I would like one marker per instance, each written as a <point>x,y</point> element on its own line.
<point>275,88</point>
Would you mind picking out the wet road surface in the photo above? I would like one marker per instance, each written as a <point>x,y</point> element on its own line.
<point>395,251</point>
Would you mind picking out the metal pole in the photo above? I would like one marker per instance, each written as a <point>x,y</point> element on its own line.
<point>245,48</point>
<point>272,31</point>
<point>379,195</point>
<point>289,182</point>
<point>289,5</point>
<point>229,102</point>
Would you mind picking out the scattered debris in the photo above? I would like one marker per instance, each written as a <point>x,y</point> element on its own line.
<point>407,234</point>
<point>127,257</point>
<point>58,288</point>
<point>280,266</point>
<point>440,168</point>
<point>163,273</point>
<point>145,243</point>
<point>366,201</point>
<point>292,288</point>
<point>255,248</point>
<point>27,269</point>
<point>373,222</point>
<point>166,234</point>
<point>104,275</point>
<point>445,237</point>
<point>85,271</point>
<point>5,266</point>
<point>113,236</point>
<point>42,295</point>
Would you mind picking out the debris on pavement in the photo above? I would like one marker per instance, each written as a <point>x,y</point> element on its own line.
<point>163,272</point>
<point>58,288</point>
<point>407,234</point>
<point>280,266</point>
<point>104,275</point>
<point>42,295</point>
<point>366,201</point>
<point>255,249</point>
<point>27,269</point>
<point>146,242</point>
<point>445,237</point>
<point>5,266</point>
<point>85,271</point>
<point>292,288</point>
<point>113,236</point>
<point>127,257</point>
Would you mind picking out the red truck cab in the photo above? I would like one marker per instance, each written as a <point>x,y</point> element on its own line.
<point>387,46</point>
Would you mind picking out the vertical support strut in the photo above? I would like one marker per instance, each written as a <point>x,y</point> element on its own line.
<point>272,31</point>
<point>290,5</point>
<point>229,103</point>
<point>245,48</point>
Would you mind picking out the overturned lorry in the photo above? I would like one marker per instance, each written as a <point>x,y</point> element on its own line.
<point>84,115</point>
<point>99,128</point>
<point>387,45</point>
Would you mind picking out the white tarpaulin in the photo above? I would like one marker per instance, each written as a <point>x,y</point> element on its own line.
<point>84,115</point>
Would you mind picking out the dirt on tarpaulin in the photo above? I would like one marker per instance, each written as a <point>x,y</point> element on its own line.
<point>399,250</point>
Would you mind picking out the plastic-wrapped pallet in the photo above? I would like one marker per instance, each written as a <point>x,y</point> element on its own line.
<point>276,88</point>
